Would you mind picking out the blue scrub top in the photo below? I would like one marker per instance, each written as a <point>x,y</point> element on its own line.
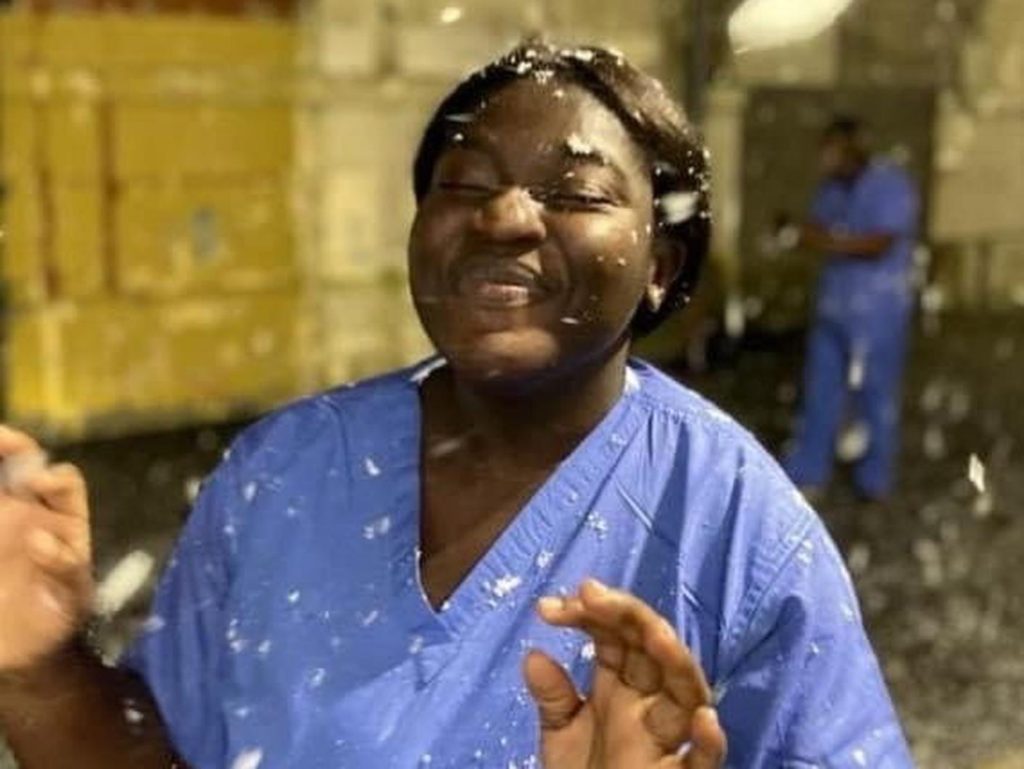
<point>881,200</point>
<point>290,628</point>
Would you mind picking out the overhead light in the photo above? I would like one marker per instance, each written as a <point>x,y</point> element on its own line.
<point>761,24</point>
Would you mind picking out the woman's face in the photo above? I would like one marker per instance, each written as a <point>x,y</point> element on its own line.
<point>532,248</point>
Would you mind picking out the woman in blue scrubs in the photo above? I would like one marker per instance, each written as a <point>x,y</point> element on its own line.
<point>531,550</point>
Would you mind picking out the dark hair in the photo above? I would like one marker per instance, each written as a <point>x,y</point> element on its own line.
<point>844,126</point>
<point>676,157</point>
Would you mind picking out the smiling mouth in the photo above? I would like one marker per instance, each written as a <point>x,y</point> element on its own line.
<point>501,285</point>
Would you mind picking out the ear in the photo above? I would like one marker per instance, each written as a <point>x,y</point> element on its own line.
<point>667,259</point>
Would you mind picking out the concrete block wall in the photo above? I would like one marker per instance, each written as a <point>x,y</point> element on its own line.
<point>980,162</point>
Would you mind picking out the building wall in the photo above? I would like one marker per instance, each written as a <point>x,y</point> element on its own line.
<point>980,164</point>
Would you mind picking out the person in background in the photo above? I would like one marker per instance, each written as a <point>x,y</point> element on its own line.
<point>864,221</point>
<point>531,550</point>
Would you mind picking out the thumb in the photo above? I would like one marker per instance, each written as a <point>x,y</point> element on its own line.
<point>552,690</point>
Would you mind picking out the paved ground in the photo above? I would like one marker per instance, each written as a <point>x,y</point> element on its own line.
<point>937,568</point>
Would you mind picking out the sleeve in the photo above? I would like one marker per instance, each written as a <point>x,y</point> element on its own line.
<point>894,206</point>
<point>823,207</point>
<point>180,652</point>
<point>801,686</point>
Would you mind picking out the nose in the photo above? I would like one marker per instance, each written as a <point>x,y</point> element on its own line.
<point>511,216</point>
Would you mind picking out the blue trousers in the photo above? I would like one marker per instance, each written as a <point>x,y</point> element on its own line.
<point>875,348</point>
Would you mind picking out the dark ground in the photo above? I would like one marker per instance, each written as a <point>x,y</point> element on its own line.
<point>938,568</point>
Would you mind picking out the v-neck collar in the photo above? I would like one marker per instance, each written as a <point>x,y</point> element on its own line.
<point>508,570</point>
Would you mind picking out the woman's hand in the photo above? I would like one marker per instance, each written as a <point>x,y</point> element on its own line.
<point>45,554</point>
<point>649,697</point>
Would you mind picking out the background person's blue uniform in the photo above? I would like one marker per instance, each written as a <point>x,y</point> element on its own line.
<point>291,631</point>
<point>860,330</point>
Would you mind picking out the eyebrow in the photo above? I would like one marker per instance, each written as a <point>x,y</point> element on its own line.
<point>572,149</point>
<point>576,149</point>
<point>582,154</point>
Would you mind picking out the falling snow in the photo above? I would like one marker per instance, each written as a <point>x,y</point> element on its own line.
<point>976,473</point>
<point>248,759</point>
<point>597,523</point>
<point>678,207</point>
<point>377,528</point>
<point>249,491</point>
<point>504,586</point>
<point>578,146</point>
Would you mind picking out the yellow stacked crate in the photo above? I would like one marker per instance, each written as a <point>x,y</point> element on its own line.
<point>22,212</point>
<point>152,264</point>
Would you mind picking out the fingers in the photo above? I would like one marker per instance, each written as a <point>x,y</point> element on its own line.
<point>682,677</point>
<point>49,511</point>
<point>552,690</point>
<point>708,742</point>
<point>16,442</point>
<point>641,650</point>
<point>61,488</point>
<point>610,650</point>
<point>59,508</point>
<point>653,644</point>
<point>50,552</point>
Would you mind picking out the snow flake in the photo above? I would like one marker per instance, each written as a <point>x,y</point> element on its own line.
<point>578,146</point>
<point>976,473</point>
<point>597,522</point>
<point>503,586</point>
<point>378,528</point>
<point>249,491</point>
<point>248,759</point>
<point>317,678</point>
<point>677,207</point>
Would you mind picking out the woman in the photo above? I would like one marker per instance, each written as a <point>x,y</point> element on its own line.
<point>358,584</point>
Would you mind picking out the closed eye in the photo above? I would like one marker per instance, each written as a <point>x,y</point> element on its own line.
<point>466,188</point>
<point>577,201</point>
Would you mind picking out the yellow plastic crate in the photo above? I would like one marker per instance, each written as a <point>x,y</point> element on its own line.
<point>175,299</point>
<point>201,139</point>
<point>79,241</point>
<point>73,138</point>
<point>19,132</point>
<point>201,41</point>
<point>199,236</point>
<point>19,37</point>
<point>23,224</point>
<point>118,39</point>
<point>102,367</point>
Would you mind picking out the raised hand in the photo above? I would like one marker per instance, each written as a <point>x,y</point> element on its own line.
<point>650,706</point>
<point>46,581</point>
